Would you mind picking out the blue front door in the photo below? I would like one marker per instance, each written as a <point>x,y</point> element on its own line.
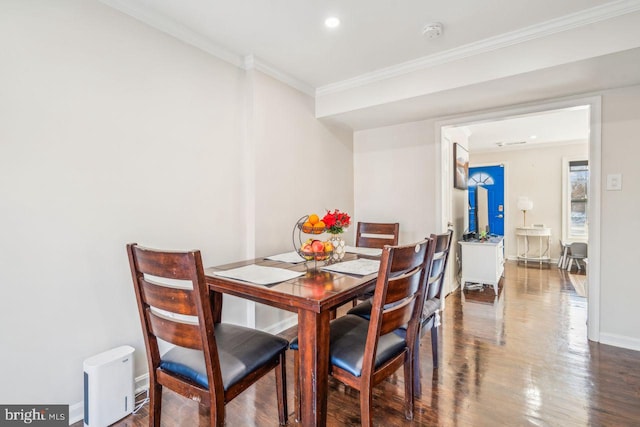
<point>491,178</point>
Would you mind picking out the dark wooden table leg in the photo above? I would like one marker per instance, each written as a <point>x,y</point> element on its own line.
<point>216,304</point>
<point>313,336</point>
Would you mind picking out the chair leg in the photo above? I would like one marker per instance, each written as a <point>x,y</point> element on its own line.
<point>366,401</point>
<point>417,374</point>
<point>281,389</point>
<point>296,385</point>
<point>217,414</point>
<point>434,344</point>
<point>155,404</point>
<point>408,387</point>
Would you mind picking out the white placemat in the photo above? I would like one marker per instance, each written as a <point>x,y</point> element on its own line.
<point>291,257</point>
<point>259,274</point>
<point>360,267</point>
<point>363,251</point>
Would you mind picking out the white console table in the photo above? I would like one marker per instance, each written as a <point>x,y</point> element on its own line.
<point>523,244</point>
<point>483,262</point>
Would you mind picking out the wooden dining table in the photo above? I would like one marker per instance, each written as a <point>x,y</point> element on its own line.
<point>313,296</point>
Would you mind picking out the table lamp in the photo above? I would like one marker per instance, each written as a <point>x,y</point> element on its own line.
<point>524,204</point>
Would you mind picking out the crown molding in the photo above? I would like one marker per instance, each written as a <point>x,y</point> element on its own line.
<point>193,38</point>
<point>553,26</point>
<point>176,30</point>
<point>251,62</point>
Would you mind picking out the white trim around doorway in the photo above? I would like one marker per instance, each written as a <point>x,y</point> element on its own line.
<point>595,143</point>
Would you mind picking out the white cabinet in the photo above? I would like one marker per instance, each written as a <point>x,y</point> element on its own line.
<point>483,262</point>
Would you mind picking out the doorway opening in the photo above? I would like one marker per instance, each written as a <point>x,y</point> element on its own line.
<point>546,208</point>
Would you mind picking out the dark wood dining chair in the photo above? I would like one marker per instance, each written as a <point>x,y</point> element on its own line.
<point>430,319</point>
<point>377,234</point>
<point>363,352</point>
<point>210,362</point>
<point>433,299</point>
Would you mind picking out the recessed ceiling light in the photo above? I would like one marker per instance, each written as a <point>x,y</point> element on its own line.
<point>332,22</point>
<point>533,136</point>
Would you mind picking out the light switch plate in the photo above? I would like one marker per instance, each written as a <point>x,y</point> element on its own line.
<point>614,181</point>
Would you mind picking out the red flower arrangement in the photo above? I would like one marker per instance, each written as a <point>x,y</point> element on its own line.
<point>336,221</point>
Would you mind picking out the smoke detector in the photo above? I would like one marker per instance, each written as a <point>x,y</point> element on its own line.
<point>433,30</point>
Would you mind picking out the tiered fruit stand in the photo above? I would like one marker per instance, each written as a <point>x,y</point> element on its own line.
<point>299,230</point>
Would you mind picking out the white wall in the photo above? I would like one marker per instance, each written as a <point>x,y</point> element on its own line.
<point>619,314</point>
<point>112,132</point>
<point>302,166</point>
<point>537,174</point>
<point>394,178</point>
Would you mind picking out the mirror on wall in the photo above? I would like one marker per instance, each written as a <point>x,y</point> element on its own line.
<point>482,210</point>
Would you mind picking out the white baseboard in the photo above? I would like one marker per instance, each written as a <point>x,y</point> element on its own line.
<point>282,325</point>
<point>620,341</point>
<point>141,383</point>
<point>76,410</point>
<point>552,261</point>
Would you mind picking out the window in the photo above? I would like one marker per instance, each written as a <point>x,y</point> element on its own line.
<point>577,201</point>
<point>480,178</point>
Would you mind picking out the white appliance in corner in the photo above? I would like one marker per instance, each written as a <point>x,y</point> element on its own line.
<point>108,387</point>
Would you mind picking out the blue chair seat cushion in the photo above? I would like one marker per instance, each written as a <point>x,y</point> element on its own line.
<point>240,350</point>
<point>363,310</point>
<point>348,338</point>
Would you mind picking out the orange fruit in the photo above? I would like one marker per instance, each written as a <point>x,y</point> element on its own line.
<point>313,219</point>
<point>318,227</point>
<point>307,227</point>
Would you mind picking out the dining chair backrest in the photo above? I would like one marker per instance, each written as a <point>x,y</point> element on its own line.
<point>156,294</point>
<point>441,247</point>
<point>400,285</point>
<point>397,303</point>
<point>163,303</point>
<point>175,306</point>
<point>578,250</point>
<point>430,305</point>
<point>377,234</point>
<point>366,350</point>
<point>433,300</point>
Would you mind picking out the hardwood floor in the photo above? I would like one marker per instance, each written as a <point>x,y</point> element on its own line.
<point>519,359</point>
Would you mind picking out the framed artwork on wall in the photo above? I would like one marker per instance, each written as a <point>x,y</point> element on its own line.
<point>460,167</point>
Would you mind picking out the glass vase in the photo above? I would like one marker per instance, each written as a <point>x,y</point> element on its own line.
<point>338,247</point>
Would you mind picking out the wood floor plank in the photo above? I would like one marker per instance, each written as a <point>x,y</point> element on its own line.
<point>518,359</point>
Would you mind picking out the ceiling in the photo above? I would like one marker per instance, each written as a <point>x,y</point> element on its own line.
<point>562,126</point>
<point>381,42</point>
